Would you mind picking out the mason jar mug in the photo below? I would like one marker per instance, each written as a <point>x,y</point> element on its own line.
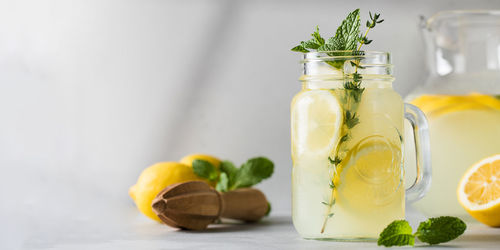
<point>347,147</point>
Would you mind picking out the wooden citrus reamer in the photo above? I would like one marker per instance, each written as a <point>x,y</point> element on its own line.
<point>194,205</point>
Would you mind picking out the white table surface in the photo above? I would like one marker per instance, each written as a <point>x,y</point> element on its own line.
<point>130,230</point>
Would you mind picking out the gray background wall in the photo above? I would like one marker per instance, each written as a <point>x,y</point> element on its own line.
<point>92,92</point>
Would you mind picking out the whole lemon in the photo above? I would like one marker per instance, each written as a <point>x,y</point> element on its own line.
<point>154,179</point>
<point>188,159</point>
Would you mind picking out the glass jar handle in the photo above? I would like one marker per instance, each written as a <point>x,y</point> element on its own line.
<point>420,127</point>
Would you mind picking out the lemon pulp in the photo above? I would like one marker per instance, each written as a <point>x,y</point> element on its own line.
<point>479,191</point>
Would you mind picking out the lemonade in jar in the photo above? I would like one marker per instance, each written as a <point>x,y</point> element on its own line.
<point>347,143</point>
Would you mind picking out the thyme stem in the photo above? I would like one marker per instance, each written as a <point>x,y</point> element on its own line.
<point>352,97</point>
<point>361,43</point>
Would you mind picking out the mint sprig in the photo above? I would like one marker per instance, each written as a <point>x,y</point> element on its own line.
<point>346,37</point>
<point>433,231</point>
<point>250,173</point>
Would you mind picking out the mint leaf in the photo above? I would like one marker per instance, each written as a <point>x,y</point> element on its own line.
<point>398,233</point>
<point>317,37</point>
<point>223,183</point>
<point>497,96</point>
<point>326,47</point>
<point>205,169</point>
<point>314,43</point>
<point>230,170</point>
<point>346,37</point>
<point>252,172</point>
<point>440,229</point>
<point>335,43</point>
<point>348,32</point>
<point>300,48</point>
<point>310,44</point>
<point>339,64</point>
<point>331,50</point>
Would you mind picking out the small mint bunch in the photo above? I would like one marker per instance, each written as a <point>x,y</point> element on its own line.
<point>250,173</point>
<point>433,231</point>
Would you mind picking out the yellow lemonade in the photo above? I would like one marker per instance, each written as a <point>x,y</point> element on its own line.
<point>365,192</point>
<point>463,130</point>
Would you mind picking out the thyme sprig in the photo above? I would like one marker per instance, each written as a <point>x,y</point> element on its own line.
<point>351,97</point>
<point>370,24</point>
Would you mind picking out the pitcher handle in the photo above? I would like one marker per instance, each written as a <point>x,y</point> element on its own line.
<point>420,127</point>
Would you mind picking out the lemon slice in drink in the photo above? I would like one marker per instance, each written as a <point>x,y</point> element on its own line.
<point>479,191</point>
<point>316,123</point>
<point>373,170</point>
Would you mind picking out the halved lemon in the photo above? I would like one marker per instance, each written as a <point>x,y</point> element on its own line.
<point>316,123</point>
<point>479,191</point>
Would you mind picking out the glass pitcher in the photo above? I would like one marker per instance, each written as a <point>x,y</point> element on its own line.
<point>347,147</point>
<point>460,99</point>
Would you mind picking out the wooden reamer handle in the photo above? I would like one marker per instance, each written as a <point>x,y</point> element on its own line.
<point>246,204</point>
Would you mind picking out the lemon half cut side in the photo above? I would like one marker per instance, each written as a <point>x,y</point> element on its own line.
<point>479,191</point>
